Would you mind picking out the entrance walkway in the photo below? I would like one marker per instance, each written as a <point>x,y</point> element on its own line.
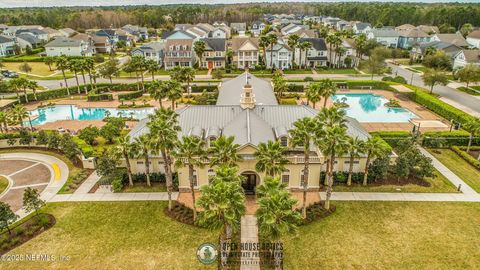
<point>88,184</point>
<point>250,259</point>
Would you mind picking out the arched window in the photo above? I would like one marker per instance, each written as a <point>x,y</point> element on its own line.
<point>286,177</point>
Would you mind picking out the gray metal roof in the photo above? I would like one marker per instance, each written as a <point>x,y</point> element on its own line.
<point>215,44</point>
<point>64,42</point>
<point>231,90</point>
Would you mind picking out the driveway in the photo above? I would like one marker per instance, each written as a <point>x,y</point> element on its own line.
<point>45,173</point>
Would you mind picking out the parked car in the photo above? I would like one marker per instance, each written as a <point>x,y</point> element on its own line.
<point>9,74</point>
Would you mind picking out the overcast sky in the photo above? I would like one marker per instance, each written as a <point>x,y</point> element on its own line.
<point>49,3</point>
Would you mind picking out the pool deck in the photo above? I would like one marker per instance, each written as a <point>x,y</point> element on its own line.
<point>428,120</point>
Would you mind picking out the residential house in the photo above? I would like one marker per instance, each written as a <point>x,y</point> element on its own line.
<point>418,51</point>
<point>412,37</point>
<point>473,39</point>
<point>69,47</point>
<point>292,28</point>
<point>429,29</point>
<point>37,33</point>
<point>248,111</point>
<point>361,28</point>
<point>386,36</point>
<point>26,40</point>
<point>151,51</point>
<point>7,46</point>
<point>137,31</point>
<point>305,33</point>
<point>245,52</point>
<point>111,37</point>
<point>179,50</point>
<point>219,32</point>
<point>279,57</point>
<point>239,28</point>
<point>342,25</point>
<point>67,32</point>
<point>405,27</point>
<point>465,57</point>
<point>215,52</point>
<point>52,33</point>
<point>351,52</point>
<point>102,44</point>
<point>456,39</point>
<point>316,56</point>
<point>257,28</point>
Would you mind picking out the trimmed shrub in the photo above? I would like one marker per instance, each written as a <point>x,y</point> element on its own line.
<point>86,148</point>
<point>99,97</point>
<point>392,137</point>
<point>437,106</point>
<point>288,101</point>
<point>451,138</point>
<point>342,177</point>
<point>296,88</point>
<point>202,88</point>
<point>154,178</point>
<point>469,90</point>
<point>467,157</point>
<point>373,84</point>
<point>132,95</point>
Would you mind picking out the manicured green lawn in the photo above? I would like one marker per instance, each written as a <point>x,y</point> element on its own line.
<point>459,166</point>
<point>38,68</point>
<point>142,187</point>
<point>438,184</point>
<point>115,235</point>
<point>3,184</point>
<point>389,235</point>
<point>297,71</point>
<point>338,71</point>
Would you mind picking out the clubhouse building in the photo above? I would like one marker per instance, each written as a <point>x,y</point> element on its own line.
<point>248,110</point>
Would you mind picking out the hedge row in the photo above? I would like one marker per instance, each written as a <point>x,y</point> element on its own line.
<point>342,177</point>
<point>99,97</point>
<point>379,85</point>
<point>437,106</point>
<point>470,91</point>
<point>131,95</point>
<point>201,88</point>
<point>392,137</point>
<point>86,148</point>
<point>468,158</point>
<point>452,138</point>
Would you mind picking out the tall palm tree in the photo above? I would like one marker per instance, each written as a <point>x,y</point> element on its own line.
<point>152,67</point>
<point>82,63</point>
<point>304,46</point>
<point>272,41</point>
<point>330,39</point>
<point>128,150</point>
<point>374,148</point>
<point>340,51</point>
<point>33,85</point>
<point>223,204</point>
<point>223,151</point>
<point>19,113</point>
<point>263,42</point>
<point>175,91</point>
<point>473,127</point>
<point>313,93</point>
<point>355,148</point>
<point>271,158</point>
<point>163,130</point>
<point>199,49</point>
<point>75,66</point>
<point>302,135</point>
<point>292,42</point>
<point>275,216</point>
<point>17,84</point>
<point>158,90</point>
<point>190,152</point>
<point>89,65</point>
<point>62,64</point>
<point>336,42</point>
<point>143,144</point>
<point>328,89</point>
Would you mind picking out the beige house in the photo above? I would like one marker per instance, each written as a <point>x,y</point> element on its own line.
<point>248,110</point>
<point>245,52</point>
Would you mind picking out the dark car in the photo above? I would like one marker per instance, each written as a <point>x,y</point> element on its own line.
<point>9,74</point>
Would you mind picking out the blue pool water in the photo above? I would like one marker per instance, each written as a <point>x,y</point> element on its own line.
<point>371,108</point>
<point>71,112</point>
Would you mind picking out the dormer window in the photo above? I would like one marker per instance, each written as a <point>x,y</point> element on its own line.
<point>211,140</point>
<point>284,141</point>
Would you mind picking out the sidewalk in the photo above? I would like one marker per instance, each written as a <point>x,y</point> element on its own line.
<point>88,184</point>
<point>95,197</point>
<point>249,234</point>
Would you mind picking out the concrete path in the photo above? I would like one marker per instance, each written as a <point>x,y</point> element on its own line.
<point>88,184</point>
<point>249,234</point>
<point>97,197</point>
<point>58,173</point>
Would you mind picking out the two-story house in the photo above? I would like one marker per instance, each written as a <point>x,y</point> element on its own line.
<point>465,57</point>
<point>412,37</point>
<point>386,36</point>
<point>37,33</point>
<point>245,52</point>
<point>151,51</point>
<point>257,28</point>
<point>68,47</point>
<point>473,39</point>
<point>239,28</point>
<point>137,31</point>
<point>279,57</point>
<point>316,56</point>
<point>214,54</point>
<point>179,50</point>
<point>7,46</point>
<point>361,28</point>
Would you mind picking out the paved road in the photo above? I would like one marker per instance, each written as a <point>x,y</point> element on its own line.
<point>446,92</point>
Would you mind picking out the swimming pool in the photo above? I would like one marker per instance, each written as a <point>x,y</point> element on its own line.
<point>72,112</point>
<point>367,107</point>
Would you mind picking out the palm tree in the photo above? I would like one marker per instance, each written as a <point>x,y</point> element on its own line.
<point>82,64</point>
<point>143,144</point>
<point>127,149</point>
<point>313,93</point>
<point>199,49</point>
<point>3,121</point>
<point>328,89</point>
<point>304,46</point>
<point>223,204</point>
<point>89,65</point>
<point>293,43</point>
<point>223,151</point>
<point>336,42</point>
<point>263,42</point>
<point>275,216</point>
<point>33,86</point>
<point>188,75</point>
<point>49,61</point>
<point>62,64</point>
<point>152,67</point>
<point>158,90</point>
<point>473,127</point>
<point>374,148</point>
<point>271,158</point>
<point>17,84</point>
<point>340,51</point>
<point>330,40</point>
<point>18,113</point>
<point>272,41</point>
<point>175,91</point>
<point>302,135</point>
<point>190,152</point>
<point>164,129</point>
<point>75,66</point>
<point>355,148</point>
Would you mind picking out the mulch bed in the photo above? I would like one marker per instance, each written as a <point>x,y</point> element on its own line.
<point>317,212</point>
<point>180,213</point>
<point>25,231</point>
